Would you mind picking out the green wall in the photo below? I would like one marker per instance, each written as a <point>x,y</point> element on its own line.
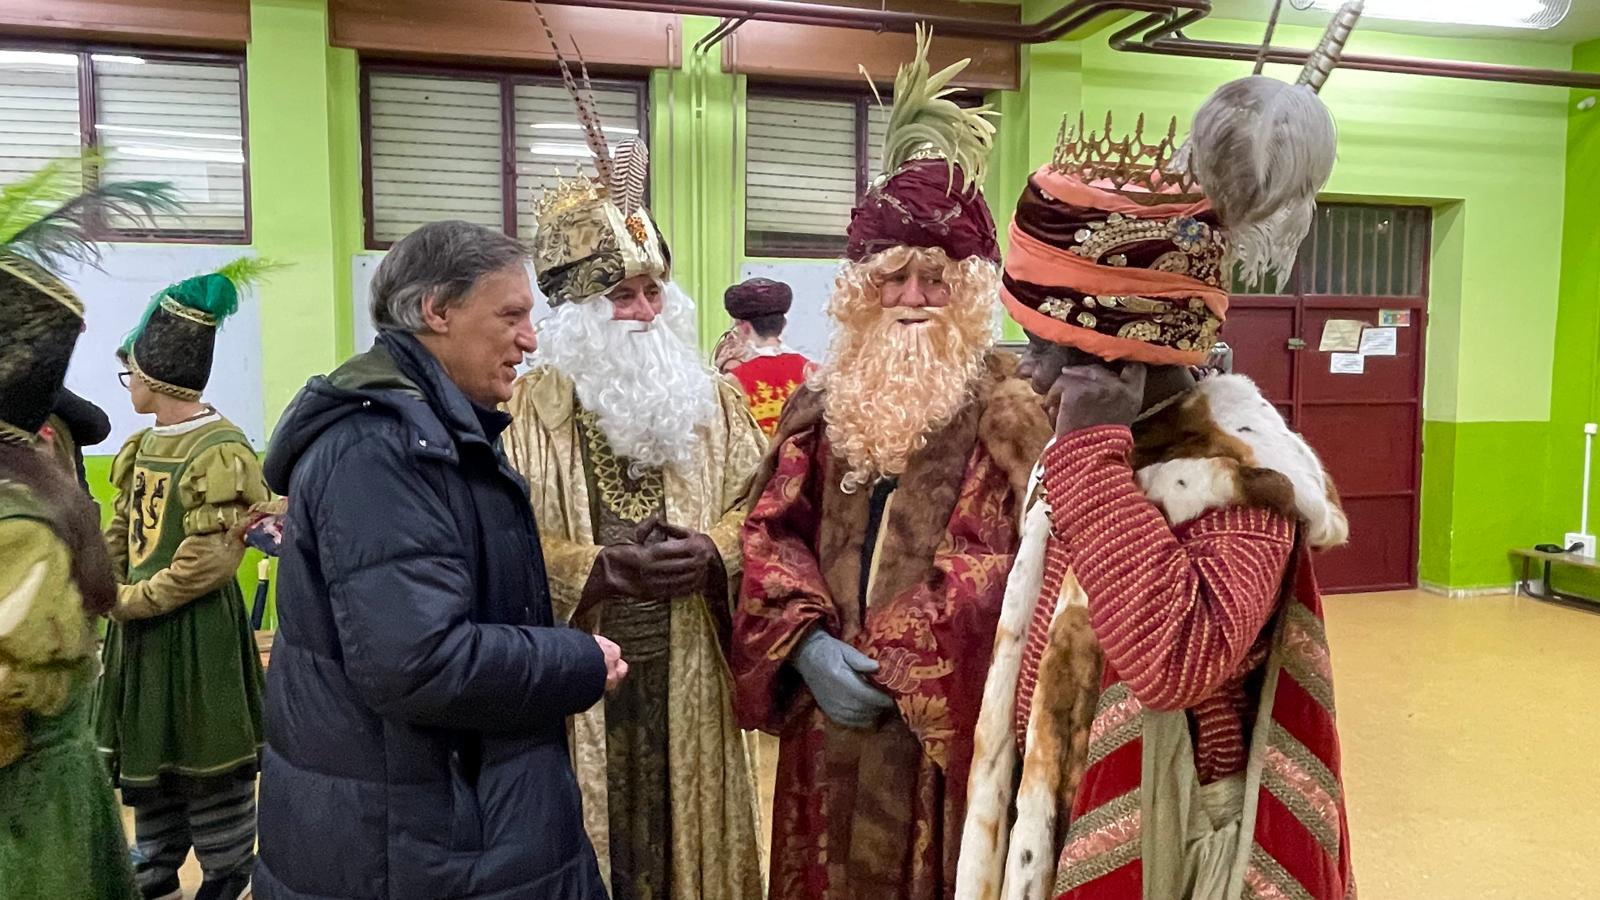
<point>1501,452</point>
<point>1575,380</point>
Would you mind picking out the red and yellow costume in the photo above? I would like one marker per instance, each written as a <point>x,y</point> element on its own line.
<point>769,380</point>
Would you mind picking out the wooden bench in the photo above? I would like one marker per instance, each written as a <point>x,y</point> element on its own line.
<point>1549,594</point>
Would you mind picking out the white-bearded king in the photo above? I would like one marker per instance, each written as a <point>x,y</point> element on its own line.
<point>639,458</point>
<point>877,549</point>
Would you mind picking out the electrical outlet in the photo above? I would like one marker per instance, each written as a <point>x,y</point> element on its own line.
<point>1586,540</point>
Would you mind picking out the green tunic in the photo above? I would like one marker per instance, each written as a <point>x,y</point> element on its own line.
<point>62,837</point>
<point>179,706</point>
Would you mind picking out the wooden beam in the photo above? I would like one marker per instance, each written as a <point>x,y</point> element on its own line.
<point>182,23</point>
<point>782,52</point>
<point>496,31</point>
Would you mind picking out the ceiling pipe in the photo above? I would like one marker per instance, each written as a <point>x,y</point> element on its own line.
<point>1069,17</point>
<point>1158,31</point>
<point>1164,36</point>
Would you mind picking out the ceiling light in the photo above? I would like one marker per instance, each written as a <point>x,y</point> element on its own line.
<point>164,132</point>
<point>183,153</point>
<point>1536,14</point>
<point>564,126</point>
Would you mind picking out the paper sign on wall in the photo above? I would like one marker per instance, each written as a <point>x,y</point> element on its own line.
<point>1379,341</point>
<point>1341,336</point>
<point>1394,318</point>
<point>1347,364</point>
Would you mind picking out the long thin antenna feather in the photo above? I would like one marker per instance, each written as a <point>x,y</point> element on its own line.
<point>588,117</point>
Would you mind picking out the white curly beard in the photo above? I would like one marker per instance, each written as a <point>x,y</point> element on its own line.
<point>647,387</point>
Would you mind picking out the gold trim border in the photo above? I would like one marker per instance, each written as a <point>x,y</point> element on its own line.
<point>159,386</point>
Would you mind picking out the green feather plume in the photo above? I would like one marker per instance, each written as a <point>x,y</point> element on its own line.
<point>248,271</point>
<point>924,122</point>
<point>49,216</point>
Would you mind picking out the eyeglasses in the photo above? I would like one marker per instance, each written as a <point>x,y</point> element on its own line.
<point>123,377</point>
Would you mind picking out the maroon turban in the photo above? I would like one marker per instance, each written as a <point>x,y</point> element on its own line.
<point>925,204</point>
<point>758,297</point>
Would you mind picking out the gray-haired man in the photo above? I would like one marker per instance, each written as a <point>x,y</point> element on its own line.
<point>419,687</point>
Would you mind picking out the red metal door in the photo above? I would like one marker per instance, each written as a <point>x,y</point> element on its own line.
<point>1357,262</point>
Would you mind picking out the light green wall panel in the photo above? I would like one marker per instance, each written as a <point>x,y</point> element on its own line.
<point>1483,483</point>
<point>291,183</point>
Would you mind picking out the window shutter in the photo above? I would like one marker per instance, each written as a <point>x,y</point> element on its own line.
<point>38,111</point>
<point>436,153</point>
<point>177,122</point>
<point>549,139</point>
<point>877,132</point>
<point>800,173</point>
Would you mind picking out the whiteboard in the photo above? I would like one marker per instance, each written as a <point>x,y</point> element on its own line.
<point>115,296</point>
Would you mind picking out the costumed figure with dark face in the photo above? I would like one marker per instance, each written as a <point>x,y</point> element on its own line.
<point>1158,720</point>
<point>877,548</point>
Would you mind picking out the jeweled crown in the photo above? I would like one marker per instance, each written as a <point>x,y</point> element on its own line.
<point>567,193</point>
<point>1131,161</point>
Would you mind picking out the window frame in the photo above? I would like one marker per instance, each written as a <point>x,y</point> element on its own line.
<point>862,98</point>
<point>89,140</point>
<point>507,79</point>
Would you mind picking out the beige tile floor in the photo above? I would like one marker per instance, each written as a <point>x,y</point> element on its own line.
<point>1471,735</point>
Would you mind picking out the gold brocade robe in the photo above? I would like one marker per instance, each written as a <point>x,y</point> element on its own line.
<point>716,851</point>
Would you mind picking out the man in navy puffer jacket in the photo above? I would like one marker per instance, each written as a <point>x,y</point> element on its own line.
<point>419,686</point>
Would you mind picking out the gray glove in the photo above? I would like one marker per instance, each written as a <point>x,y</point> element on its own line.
<point>835,672</point>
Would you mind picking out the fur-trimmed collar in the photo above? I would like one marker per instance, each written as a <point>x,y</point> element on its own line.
<point>1225,444</point>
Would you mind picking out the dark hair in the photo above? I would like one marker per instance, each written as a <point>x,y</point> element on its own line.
<point>442,261</point>
<point>768,326</point>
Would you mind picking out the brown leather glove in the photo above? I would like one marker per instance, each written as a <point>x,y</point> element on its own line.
<point>663,561</point>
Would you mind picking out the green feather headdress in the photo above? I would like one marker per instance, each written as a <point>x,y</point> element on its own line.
<point>214,294</point>
<point>48,217</point>
<point>924,123</point>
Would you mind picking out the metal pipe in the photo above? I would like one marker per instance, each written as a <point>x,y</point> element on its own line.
<point>1160,27</point>
<point>1072,15</point>
<point>1181,46</point>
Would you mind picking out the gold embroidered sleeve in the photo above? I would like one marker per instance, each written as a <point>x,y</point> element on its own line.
<point>747,445</point>
<point>218,489</point>
<point>567,565</point>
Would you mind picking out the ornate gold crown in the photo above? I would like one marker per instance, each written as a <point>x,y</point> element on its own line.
<point>568,193</point>
<point>1128,162</point>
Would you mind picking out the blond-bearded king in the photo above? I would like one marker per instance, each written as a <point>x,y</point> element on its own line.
<point>877,548</point>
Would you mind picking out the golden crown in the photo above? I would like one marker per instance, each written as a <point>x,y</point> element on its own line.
<point>568,193</point>
<point>1129,161</point>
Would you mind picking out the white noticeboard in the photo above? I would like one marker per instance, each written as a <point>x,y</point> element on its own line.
<point>115,296</point>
